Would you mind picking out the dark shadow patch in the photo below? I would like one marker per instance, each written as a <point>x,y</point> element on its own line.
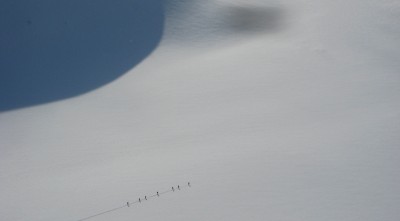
<point>247,19</point>
<point>52,50</point>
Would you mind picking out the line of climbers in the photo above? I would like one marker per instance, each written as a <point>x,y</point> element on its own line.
<point>158,194</point>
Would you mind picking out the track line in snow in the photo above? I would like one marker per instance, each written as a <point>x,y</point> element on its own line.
<point>140,200</point>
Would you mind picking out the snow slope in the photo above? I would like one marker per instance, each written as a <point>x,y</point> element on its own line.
<point>289,113</point>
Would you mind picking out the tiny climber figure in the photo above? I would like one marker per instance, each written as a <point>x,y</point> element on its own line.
<point>127,204</point>
<point>145,197</point>
<point>179,188</point>
<point>173,189</point>
<point>158,194</point>
<point>189,184</point>
<point>140,200</point>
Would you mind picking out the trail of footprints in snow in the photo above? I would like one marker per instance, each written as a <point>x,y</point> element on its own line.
<point>140,200</point>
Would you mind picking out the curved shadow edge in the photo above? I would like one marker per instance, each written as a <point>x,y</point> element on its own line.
<point>53,50</point>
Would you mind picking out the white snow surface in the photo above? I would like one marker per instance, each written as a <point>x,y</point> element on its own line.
<point>273,110</point>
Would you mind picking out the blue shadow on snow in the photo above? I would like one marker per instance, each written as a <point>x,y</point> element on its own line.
<point>56,49</point>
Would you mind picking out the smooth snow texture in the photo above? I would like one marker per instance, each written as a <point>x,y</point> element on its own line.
<point>298,123</point>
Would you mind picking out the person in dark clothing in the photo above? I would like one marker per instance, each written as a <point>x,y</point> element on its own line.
<point>158,194</point>
<point>179,188</point>
<point>173,189</point>
<point>140,200</point>
<point>127,204</point>
<point>145,197</point>
<point>189,184</point>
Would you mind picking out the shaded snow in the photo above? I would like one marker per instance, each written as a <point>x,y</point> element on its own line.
<point>299,123</point>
